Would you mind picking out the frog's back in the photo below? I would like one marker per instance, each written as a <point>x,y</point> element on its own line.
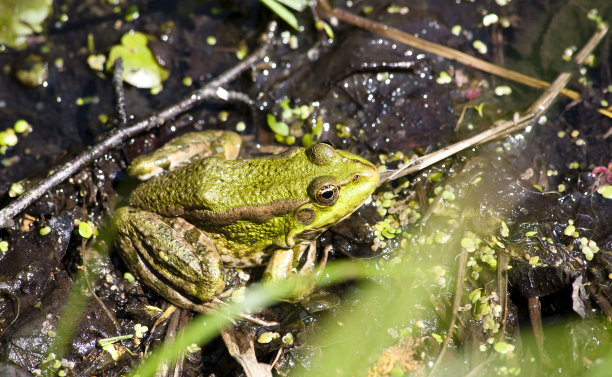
<point>218,185</point>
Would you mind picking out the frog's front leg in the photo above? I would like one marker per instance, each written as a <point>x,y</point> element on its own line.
<point>281,267</point>
<point>170,255</point>
<point>185,149</point>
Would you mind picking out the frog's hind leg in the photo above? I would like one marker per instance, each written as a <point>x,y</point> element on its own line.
<point>169,255</point>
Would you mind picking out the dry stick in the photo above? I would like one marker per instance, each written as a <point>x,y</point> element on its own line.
<point>446,52</point>
<point>115,138</point>
<point>502,292</point>
<point>438,49</point>
<point>119,92</point>
<point>455,309</point>
<point>536,110</point>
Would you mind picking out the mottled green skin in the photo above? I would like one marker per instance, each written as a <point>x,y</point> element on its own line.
<point>245,209</point>
<point>205,191</point>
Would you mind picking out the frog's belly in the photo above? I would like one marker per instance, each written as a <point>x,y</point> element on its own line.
<point>251,260</point>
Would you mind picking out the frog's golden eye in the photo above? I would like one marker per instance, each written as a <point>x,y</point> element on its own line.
<point>324,190</point>
<point>321,153</point>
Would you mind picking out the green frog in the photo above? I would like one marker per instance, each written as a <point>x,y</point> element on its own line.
<point>204,212</point>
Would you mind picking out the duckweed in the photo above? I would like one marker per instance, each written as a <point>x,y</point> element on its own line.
<point>570,229</point>
<point>490,19</point>
<point>211,40</point>
<point>16,189</point>
<point>475,295</point>
<point>287,339</point>
<point>87,229</point>
<point>193,348</point>
<point>140,68</point>
<point>267,337</point>
<point>588,247</point>
<point>22,126</point>
<point>140,330</point>
<point>444,78</point>
<point>505,232</point>
<point>503,347</point>
<point>480,46</point>
<point>605,191</point>
<point>8,138</point>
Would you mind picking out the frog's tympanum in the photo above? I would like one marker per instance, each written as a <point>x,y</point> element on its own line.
<point>185,227</point>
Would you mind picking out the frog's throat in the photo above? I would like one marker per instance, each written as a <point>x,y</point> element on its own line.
<point>257,214</point>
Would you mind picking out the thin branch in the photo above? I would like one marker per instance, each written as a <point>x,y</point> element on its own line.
<point>455,310</point>
<point>535,111</point>
<point>444,51</point>
<point>116,137</point>
<point>437,49</point>
<point>119,92</point>
<point>502,292</point>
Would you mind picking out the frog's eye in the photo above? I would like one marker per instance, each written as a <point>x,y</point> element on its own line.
<point>321,153</point>
<point>324,190</point>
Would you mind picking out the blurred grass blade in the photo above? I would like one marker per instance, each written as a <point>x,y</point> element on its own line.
<point>283,13</point>
<point>205,327</point>
<point>296,5</point>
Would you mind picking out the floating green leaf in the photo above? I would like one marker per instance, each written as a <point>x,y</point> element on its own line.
<point>21,18</point>
<point>503,347</point>
<point>279,128</point>
<point>605,191</point>
<point>140,68</point>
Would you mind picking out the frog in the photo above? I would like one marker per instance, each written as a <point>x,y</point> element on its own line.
<point>196,216</point>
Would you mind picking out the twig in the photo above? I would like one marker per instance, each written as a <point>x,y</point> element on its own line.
<point>502,291</point>
<point>163,368</point>
<point>535,316</point>
<point>116,137</point>
<point>456,303</point>
<point>439,155</point>
<point>438,49</point>
<point>119,92</point>
<point>537,109</point>
<point>240,347</point>
<point>105,308</point>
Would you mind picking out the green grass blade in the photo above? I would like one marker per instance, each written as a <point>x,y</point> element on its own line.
<point>283,13</point>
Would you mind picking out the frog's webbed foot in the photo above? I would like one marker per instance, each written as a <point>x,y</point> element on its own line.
<point>169,255</point>
<point>310,267</point>
<point>281,267</point>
